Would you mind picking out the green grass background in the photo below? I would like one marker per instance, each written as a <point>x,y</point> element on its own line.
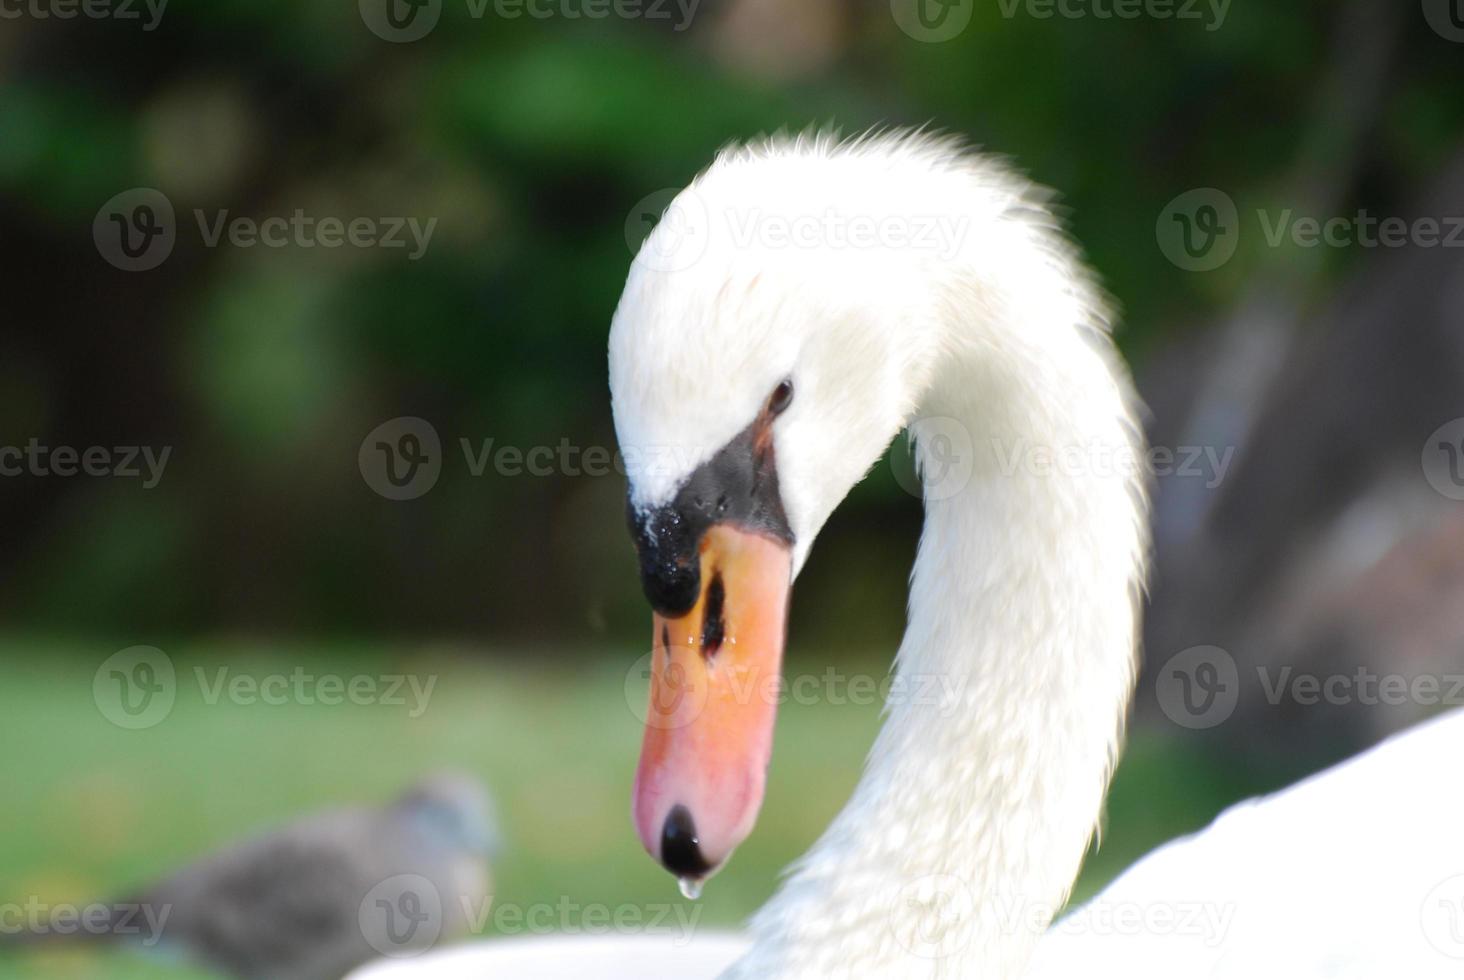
<point>92,810</point>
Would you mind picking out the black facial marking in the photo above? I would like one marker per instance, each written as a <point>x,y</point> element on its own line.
<point>739,486</point>
<point>713,629</point>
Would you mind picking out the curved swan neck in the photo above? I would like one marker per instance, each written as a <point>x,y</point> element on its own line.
<point>985,785</point>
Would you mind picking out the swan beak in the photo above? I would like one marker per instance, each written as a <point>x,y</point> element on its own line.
<point>715,686</point>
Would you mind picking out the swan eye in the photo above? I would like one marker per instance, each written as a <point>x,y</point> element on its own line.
<point>781,398</point>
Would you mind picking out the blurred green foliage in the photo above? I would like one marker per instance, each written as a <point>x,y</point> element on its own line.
<point>531,143</point>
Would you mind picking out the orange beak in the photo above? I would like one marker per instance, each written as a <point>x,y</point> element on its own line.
<point>715,687</point>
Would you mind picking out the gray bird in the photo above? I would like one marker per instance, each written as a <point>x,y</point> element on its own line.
<point>317,898</point>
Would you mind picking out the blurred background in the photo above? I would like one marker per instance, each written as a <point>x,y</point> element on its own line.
<point>499,164</point>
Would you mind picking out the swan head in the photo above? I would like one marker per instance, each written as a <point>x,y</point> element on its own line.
<point>754,382</point>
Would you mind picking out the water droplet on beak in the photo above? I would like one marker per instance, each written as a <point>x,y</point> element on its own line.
<point>691,888</point>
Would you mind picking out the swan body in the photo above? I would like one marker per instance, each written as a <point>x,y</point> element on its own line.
<point>803,301</point>
<point>1356,873</point>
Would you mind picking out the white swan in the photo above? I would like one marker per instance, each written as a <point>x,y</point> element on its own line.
<point>802,302</point>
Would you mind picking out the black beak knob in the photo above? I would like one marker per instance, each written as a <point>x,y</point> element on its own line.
<point>680,849</point>
<point>666,543</point>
